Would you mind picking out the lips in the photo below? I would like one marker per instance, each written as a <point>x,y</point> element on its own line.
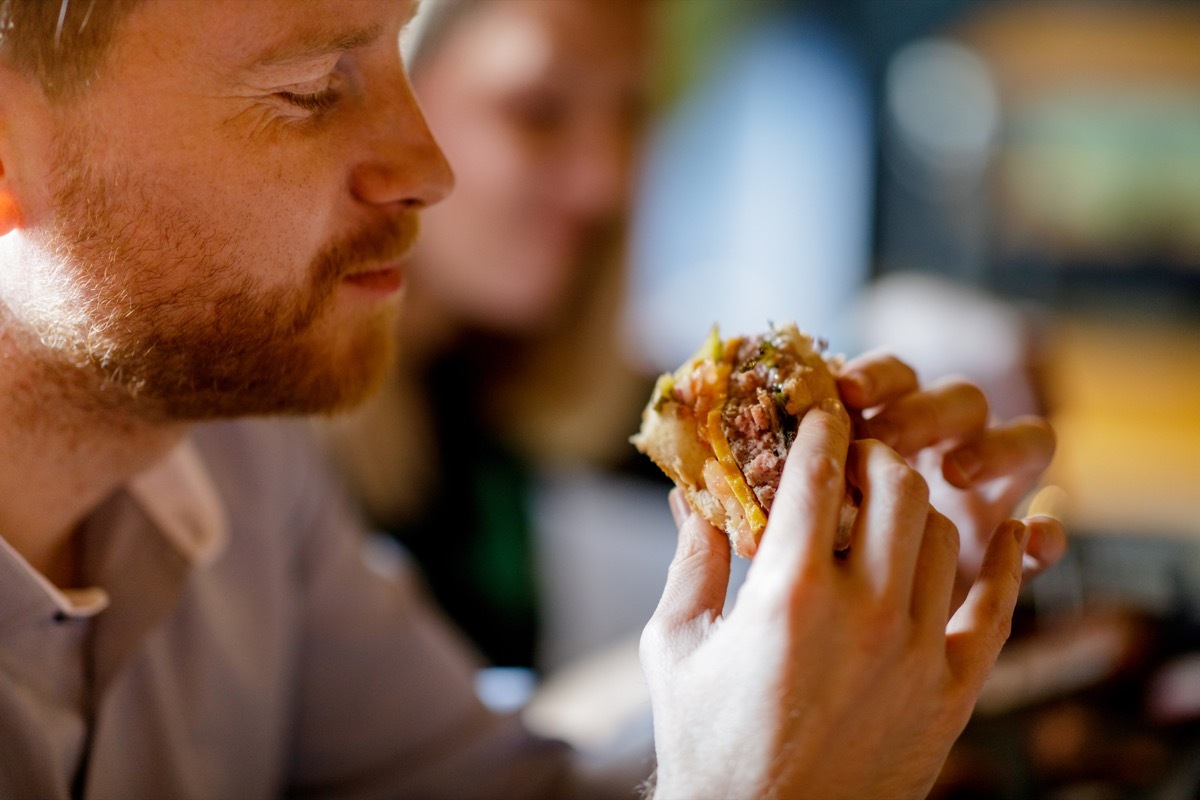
<point>373,258</point>
<point>384,280</point>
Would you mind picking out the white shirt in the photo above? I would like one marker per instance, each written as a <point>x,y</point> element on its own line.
<point>234,643</point>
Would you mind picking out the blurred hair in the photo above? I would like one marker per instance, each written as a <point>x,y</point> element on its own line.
<point>568,394</point>
<point>59,43</point>
<point>424,33</point>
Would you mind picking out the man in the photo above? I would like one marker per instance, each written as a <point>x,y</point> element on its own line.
<point>204,209</point>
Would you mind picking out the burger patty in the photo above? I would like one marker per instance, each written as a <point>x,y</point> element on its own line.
<point>767,394</point>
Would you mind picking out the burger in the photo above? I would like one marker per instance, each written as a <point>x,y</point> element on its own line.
<point>721,425</point>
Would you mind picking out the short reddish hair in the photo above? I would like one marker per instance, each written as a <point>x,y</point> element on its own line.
<point>59,43</point>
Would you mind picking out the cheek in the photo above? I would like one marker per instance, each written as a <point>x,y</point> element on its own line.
<point>190,217</point>
<point>265,229</point>
<point>262,200</point>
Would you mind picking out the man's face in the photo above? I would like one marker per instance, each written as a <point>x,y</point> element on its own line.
<point>216,226</point>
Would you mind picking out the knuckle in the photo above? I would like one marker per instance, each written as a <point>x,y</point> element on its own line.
<point>823,471</point>
<point>661,640</point>
<point>973,396</point>
<point>885,469</point>
<point>965,395</point>
<point>809,595</point>
<point>908,483</point>
<point>999,626</point>
<point>1003,628</point>
<point>650,642</point>
<point>653,632</point>
<point>944,531</point>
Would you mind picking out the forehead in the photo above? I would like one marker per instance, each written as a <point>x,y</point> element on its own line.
<point>227,35</point>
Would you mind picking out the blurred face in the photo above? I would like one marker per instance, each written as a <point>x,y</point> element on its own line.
<point>217,226</point>
<point>538,105</point>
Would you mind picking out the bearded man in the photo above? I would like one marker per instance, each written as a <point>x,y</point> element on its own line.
<point>204,211</point>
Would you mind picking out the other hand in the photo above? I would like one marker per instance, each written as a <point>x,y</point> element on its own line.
<point>977,471</point>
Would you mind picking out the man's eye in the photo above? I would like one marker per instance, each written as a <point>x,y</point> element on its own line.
<point>311,101</point>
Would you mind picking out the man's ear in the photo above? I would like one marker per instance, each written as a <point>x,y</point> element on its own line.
<point>10,212</point>
<point>10,208</point>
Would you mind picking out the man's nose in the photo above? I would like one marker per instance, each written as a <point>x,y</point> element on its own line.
<point>403,164</point>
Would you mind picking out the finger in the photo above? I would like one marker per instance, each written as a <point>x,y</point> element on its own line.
<point>807,507</point>
<point>873,379</point>
<point>697,578</point>
<point>1003,496</point>
<point>937,565</point>
<point>891,521</point>
<point>1047,544</point>
<point>1023,447</point>
<point>949,412</point>
<point>981,625</point>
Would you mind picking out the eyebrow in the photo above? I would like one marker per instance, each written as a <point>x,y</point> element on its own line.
<point>317,44</point>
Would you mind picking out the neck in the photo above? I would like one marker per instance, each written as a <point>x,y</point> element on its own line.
<point>62,458</point>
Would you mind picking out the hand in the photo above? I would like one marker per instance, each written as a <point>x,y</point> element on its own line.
<point>977,472</point>
<point>830,678</point>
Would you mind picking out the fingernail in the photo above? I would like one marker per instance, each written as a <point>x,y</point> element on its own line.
<point>1020,532</point>
<point>836,409</point>
<point>831,405</point>
<point>967,462</point>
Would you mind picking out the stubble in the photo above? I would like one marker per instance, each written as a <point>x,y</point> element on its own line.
<point>149,312</point>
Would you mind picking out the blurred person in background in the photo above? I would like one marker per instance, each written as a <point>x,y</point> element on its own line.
<point>509,355</point>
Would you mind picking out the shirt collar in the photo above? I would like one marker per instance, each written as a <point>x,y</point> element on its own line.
<point>178,495</point>
<point>67,603</point>
<point>178,498</point>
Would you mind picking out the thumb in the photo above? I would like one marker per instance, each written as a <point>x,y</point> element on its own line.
<point>699,573</point>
